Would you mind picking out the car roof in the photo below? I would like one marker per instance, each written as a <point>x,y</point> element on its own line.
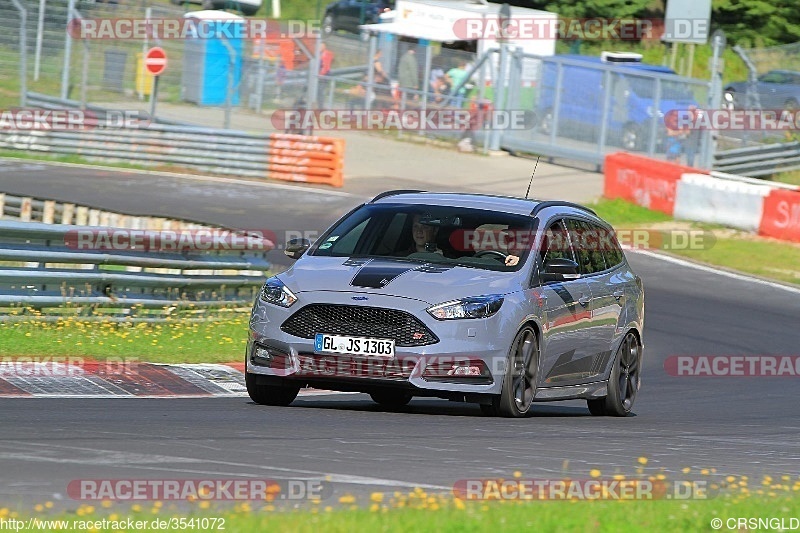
<point>632,65</point>
<point>506,204</point>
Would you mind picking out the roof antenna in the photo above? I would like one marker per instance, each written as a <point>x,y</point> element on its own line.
<point>532,174</point>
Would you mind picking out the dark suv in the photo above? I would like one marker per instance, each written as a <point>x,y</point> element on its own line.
<point>347,15</point>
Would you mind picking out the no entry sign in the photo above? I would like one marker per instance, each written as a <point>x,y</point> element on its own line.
<point>155,61</point>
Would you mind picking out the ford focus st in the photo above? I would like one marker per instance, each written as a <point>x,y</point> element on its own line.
<point>493,300</point>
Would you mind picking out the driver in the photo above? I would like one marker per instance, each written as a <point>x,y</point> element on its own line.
<point>424,236</point>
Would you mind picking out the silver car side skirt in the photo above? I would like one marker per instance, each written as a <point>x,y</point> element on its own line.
<point>586,391</point>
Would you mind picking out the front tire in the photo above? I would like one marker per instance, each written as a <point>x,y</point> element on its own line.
<point>624,382</point>
<point>519,382</point>
<point>277,395</point>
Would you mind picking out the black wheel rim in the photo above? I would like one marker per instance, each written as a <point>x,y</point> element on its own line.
<point>628,371</point>
<point>524,377</point>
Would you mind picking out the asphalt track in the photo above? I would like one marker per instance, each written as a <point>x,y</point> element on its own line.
<point>741,426</point>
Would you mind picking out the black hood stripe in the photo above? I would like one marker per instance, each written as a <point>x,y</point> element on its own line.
<point>379,273</point>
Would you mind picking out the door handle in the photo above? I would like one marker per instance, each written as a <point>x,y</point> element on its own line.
<point>618,294</point>
<point>584,300</point>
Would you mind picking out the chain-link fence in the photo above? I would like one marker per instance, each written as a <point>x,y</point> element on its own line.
<point>773,84</point>
<point>583,107</point>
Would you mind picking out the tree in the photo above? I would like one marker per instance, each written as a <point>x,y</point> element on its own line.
<point>758,22</point>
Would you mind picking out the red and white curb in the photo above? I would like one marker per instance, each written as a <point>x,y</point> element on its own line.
<point>147,380</point>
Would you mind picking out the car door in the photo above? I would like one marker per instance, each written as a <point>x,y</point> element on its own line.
<point>769,88</point>
<point>351,16</point>
<point>565,316</point>
<point>586,241</point>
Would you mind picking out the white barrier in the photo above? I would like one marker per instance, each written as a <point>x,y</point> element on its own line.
<point>733,203</point>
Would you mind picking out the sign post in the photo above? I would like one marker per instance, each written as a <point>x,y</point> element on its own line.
<point>155,61</point>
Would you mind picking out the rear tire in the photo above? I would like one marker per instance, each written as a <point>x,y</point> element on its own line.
<point>391,399</point>
<point>276,395</point>
<point>519,382</point>
<point>624,382</point>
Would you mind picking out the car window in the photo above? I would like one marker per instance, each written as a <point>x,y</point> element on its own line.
<point>773,77</point>
<point>345,243</point>
<point>612,250</point>
<point>585,239</point>
<point>432,234</point>
<point>555,244</point>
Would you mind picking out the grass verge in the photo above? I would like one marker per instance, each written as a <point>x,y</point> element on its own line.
<point>218,340</point>
<point>452,515</point>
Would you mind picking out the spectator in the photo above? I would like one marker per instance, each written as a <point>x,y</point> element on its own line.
<point>325,62</point>
<point>691,140</point>
<point>408,73</point>
<point>381,91</point>
<point>457,77</point>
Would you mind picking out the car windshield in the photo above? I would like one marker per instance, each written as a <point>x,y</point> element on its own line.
<point>432,234</point>
<point>670,90</point>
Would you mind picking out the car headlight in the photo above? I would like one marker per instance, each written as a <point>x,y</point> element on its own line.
<point>475,307</point>
<point>275,292</point>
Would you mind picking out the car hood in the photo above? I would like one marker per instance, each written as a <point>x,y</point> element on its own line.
<point>426,282</point>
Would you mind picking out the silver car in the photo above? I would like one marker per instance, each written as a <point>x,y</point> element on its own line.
<point>494,300</point>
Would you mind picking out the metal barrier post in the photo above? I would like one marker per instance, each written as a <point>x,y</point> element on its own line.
<point>654,120</point>
<point>67,51</point>
<point>23,51</point>
<point>718,42</point>
<point>313,76</point>
<point>370,92</point>
<point>500,90</point>
<point>229,88</point>
<point>607,80</point>
<point>426,79</point>
<point>557,101</point>
<point>84,73</point>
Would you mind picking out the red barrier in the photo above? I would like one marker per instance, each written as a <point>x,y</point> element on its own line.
<point>644,181</point>
<point>306,158</point>
<point>781,218</point>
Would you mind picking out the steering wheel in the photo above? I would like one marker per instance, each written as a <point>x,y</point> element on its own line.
<point>496,253</point>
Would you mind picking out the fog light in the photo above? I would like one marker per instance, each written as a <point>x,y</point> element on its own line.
<point>464,371</point>
<point>259,352</point>
<point>448,368</point>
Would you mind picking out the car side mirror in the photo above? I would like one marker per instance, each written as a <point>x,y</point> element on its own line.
<point>560,270</point>
<point>296,247</point>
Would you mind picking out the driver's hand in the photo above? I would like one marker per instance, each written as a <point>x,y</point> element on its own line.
<point>512,260</point>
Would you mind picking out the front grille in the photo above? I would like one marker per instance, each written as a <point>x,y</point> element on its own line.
<point>358,321</point>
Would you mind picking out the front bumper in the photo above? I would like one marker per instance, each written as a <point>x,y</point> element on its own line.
<point>477,343</point>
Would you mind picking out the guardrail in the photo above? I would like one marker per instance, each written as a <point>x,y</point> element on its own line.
<point>48,262</point>
<point>760,160</point>
<point>28,209</point>
<point>44,269</point>
<point>298,158</point>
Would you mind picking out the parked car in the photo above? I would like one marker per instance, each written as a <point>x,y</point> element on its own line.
<point>246,7</point>
<point>347,15</point>
<point>632,100</point>
<point>776,89</point>
<point>494,300</point>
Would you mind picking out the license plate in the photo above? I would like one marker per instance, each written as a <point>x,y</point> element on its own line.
<point>324,343</point>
